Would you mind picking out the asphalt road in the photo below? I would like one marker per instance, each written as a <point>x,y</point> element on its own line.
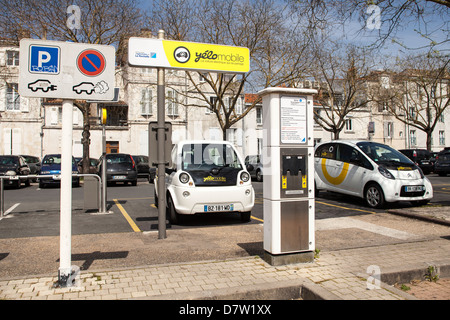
<point>32,212</point>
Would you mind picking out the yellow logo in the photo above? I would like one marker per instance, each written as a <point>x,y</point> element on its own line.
<point>334,180</point>
<point>215,179</point>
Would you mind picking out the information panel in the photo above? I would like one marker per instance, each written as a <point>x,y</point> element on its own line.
<point>293,124</point>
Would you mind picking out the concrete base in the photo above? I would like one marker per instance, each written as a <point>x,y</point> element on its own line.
<point>288,258</point>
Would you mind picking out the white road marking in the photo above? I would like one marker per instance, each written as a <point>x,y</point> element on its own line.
<point>10,209</point>
<point>345,222</point>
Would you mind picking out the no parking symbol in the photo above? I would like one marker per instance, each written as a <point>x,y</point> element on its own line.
<point>91,62</point>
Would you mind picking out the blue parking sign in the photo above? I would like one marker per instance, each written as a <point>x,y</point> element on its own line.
<point>44,59</point>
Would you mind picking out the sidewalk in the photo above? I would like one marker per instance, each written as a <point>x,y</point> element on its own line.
<point>341,274</point>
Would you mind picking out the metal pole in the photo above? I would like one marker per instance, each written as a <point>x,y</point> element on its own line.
<point>2,199</point>
<point>160,155</point>
<point>65,268</point>
<point>103,204</point>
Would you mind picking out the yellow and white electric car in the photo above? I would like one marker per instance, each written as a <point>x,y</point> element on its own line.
<point>205,177</point>
<point>369,170</point>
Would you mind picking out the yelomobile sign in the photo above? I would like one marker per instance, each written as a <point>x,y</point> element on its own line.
<point>147,52</point>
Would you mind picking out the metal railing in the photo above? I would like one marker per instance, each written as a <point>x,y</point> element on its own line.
<point>102,202</point>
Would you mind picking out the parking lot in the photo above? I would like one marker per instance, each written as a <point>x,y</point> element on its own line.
<point>32,211</point>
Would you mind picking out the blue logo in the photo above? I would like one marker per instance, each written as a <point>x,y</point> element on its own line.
<point>44,59</point>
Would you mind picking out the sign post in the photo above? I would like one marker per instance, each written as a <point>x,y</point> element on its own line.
<point>161,54</point>
<point>68,71</point>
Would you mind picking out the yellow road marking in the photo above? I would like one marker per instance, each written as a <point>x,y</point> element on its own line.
<point>256,218</point>
<point>333,205</point>
<point>127,217</point>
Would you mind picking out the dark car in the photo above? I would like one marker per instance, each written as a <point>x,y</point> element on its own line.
<point>420,157</point>
<point>14,166</point>
<point>142,166</point>
<point>34,163</point>
<point>51,166</point>
<point>442,164</point>
<point>256,171</point>
<point>120,167</point>
<point>93,163</point>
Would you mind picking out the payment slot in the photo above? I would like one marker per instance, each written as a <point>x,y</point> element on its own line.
<point>294,175</point>
<point>288,169</point>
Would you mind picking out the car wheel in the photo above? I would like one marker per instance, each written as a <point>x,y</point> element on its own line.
<point>172,214</point>
<point>41,185</point>
<point>245,216</point>
<point>259,176</point>
<point>374,196</point>
<point>134,182</point>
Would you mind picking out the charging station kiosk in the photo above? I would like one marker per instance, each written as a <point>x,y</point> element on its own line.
<point>288,170</point>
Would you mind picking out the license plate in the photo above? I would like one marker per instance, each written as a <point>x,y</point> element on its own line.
<point>218,207</point>
<point>119,177</point>
<point>414,188</point>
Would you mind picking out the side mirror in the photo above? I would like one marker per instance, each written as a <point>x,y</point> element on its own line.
<point>250,167</point>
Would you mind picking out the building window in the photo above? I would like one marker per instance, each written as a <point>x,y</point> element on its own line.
<point>259,118</point>
<point>349,124</point>
<point>172,103</point>
<point>442,138</point>
<point>12,97</point>
<point>412,137</point>
<point>146,102</point>
<point>212,103</point>
<point>12,58</point>
<point>389,130</point>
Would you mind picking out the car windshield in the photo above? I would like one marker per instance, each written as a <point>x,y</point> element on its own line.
<point>381,153</point>
<point>8,161</point>
<point>207,156</point>
<point>54,159</point>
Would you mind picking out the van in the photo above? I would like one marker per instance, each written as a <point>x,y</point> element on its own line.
<point>370,170</point>
<point>207,177</point>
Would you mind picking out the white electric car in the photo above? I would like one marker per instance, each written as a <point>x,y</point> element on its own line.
<point>369,170</point>
<point>205,177</point>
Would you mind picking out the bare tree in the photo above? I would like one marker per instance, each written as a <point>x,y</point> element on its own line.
<point>341,70</point>
<point>275,40</point>
<point>102,22</point>
<point>420,93</point>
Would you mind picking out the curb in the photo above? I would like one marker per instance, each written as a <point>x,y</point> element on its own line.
<point>419,217</point>
<point>302,289</point>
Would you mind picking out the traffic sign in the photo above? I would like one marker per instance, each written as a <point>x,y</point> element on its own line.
<point>44,59</point>
<point>66,70</point>
<point>147,52</point>
<point>91,62</point>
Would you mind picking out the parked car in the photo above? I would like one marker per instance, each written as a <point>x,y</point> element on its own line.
<point>420,157</point>
<point>34,163</point>
<point>14,166</point>
<point>433,159</point>
<point>442,164</point>
<point>120,167</point>
<point>93,163</point>
<point>370,170</point>
<point>255,161</point>
<point>207,177</point>
<point>51,166</point>
<point>142,166</point>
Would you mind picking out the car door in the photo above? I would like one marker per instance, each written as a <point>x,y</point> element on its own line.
<point>325,167</point>
<point>352,167</point>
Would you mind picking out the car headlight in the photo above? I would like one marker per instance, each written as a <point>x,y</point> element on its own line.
<point>10,173</point>
<point>245,176</point>
<point>385,172</point>
<point>184,177</point>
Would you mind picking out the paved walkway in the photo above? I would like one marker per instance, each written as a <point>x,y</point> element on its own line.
<point>341,273</point>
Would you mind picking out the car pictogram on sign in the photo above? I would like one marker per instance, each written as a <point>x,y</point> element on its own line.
<point>87,87</point>
<point>44,85</point>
